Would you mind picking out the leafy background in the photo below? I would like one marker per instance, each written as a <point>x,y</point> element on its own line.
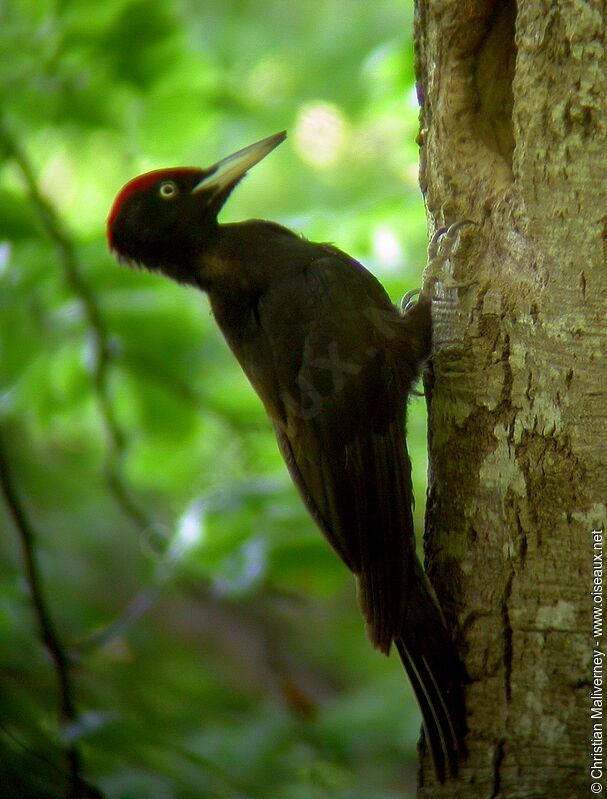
<point>214,639</point>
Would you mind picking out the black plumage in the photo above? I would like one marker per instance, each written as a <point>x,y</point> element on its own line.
<point>333,362</point>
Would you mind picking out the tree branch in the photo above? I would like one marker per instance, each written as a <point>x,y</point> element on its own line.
<point>102,343</point>
<point>46,626</point>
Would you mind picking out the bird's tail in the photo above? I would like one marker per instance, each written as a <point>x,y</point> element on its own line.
<point>437,676</point>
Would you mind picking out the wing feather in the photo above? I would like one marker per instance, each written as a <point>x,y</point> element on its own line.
<point>342,435</point>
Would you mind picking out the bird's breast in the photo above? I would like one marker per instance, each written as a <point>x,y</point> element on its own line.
<point>239,317</point>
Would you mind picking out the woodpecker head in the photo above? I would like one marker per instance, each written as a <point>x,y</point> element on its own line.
<point>162,219</point>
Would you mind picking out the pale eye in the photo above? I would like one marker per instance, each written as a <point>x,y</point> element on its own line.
<point>168,189</point>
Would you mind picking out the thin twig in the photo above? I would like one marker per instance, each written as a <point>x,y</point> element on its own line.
<point>48,631</point>
<point>32,752</point>
<point>101,340</point>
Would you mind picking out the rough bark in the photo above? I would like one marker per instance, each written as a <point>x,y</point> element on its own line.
<point>514,143</point>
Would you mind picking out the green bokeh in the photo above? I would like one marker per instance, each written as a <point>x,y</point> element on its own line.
<point>218,646</point>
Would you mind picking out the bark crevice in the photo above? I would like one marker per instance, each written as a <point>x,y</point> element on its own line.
<point>493,75</point>
<point>498,759</point>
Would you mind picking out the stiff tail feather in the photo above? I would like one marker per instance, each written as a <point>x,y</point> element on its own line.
<point>437,676</point>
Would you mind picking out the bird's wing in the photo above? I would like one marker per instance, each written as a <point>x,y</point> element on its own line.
<point>342,428</point>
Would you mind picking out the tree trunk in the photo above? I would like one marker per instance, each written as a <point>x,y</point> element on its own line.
<point>513,143</point>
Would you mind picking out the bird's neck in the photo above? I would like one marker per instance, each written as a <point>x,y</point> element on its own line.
<point>240,266</point>
<point>242,258</point>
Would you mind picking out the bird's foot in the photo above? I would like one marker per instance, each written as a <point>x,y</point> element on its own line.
<point>443,245</point>
<point>408,303</point>
<point>409,300</point>
<point>443,240</point>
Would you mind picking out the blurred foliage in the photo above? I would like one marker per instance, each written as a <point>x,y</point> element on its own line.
<point>216,646</point>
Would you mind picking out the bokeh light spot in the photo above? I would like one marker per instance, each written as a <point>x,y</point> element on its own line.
<point>321,133</point>
<point>386,248</point>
